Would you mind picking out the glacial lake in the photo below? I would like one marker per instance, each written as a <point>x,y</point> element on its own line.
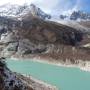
<point>61,77</point>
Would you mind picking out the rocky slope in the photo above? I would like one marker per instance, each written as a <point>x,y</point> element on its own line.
<point>34,36</point>
<point>13,81</point>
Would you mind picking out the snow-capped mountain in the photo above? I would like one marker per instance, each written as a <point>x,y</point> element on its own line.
<point>80,15</point>
<point>76,15</point>
<point>18,10</point>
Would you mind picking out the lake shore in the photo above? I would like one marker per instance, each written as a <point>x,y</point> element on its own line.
<point>82,65</point>
<point>38,84</point>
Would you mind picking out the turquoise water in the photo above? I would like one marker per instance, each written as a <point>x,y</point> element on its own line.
<point>62,77</point>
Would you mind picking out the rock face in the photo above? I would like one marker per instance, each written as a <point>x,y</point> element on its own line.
<point>13,81</point>
<point>38,12</point>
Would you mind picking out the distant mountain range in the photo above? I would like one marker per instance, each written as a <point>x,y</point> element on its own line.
<point>76,15</point>
<point>9,10</point>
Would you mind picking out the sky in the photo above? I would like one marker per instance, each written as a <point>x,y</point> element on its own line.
<point>55,6</point>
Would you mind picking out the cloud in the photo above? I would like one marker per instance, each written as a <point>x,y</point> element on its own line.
<point>75,7</point>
